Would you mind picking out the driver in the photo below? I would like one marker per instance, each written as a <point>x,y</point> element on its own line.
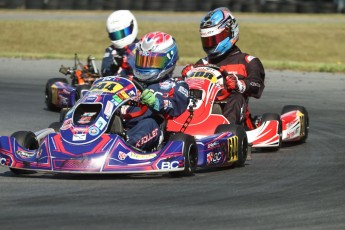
<point>166,97</point>
<point>122,29</point>
<point>219,33</point>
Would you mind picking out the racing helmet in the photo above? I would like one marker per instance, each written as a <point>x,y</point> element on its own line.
<point>219,32</point>
<point>156,57</point>
<point>122,28</point>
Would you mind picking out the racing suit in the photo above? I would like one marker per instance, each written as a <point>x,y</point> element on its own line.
<point>118,60</point>
<point>171,100</point>
<point>251,71</point>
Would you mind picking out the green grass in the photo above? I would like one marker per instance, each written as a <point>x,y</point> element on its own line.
<point>313,45</point>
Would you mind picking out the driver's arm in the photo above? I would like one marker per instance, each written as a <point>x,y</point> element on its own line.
<point>174,102</point>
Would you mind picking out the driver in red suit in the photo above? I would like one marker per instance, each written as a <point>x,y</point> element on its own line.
<point>219,33</point>
<point>156,57</point>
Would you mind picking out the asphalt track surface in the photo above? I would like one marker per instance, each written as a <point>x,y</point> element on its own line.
<point>298,187</point>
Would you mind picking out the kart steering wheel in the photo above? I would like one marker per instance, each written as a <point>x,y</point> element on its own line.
<point>143,108</point>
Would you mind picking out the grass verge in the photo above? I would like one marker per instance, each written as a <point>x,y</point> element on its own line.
<point>309,45</point>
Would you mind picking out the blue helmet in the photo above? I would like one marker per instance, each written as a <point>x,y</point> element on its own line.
<point>156,57</point>
<point>218,31</point>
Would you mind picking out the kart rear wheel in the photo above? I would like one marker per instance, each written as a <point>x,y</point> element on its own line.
<point>190,152</point>
<point>305,124</point>
<point>49,94</point>
<point>274,117</point>
<point>56,126</point>
<point>238,131</point>
<point>27,140</point>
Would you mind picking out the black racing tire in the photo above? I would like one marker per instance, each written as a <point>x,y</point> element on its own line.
<point>240,132</point>
<point>63,113</point>
<point>56,126</point>
<point>305,124</point>
<point>274,117</point>
<point>190,152</point>
<point>79,89</point>
<point>48,93</point>
<point>27,140</point>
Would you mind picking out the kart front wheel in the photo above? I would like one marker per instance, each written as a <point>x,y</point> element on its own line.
<point>56,126</point>
<point>49,95</point>
<point>27,140</point>
<point>190,152</point>
<point>242,146</point>
<point>304,119</point>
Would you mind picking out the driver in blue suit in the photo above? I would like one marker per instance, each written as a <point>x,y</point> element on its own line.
<point>166,97</point>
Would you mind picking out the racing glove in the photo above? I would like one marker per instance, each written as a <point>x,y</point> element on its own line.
<point>148,98</point>
<point>232,83</point>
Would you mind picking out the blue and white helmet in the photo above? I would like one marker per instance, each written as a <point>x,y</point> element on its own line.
<point>156,57</point>
<point>218,31</point>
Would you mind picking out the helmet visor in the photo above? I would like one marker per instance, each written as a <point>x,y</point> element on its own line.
<point>151,60</point>
<point>213,41</point>
<point>117,35</point>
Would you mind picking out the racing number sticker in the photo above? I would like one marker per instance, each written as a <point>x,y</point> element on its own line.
<point>232,148</point>
<point>107,87</point>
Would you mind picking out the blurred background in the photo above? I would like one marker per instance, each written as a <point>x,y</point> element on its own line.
<point>274,6</point>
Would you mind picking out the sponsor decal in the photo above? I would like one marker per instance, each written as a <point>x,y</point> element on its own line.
<point>171,165</point>
<point>255,84</point>
<point>67,124</point>
<point>183,90</point>
<point>131,93</point>
<point>213,145</point>
<point>123,95</point>
<point>166,85</point>
<point>214,158</point>
<point>167,104</point>
<point>93,131</point>
<point>101,123</point>
<point>122,155</point>
<point>147,138</point>
<point>108,108</point>
<point>86,118</point>
<point>249,58</point>
<point>24,154</point>
<point>80,130</point>
<point>117,98</point>
<point>91,98</point>
<point>136,156</point>
<point>79,137</point>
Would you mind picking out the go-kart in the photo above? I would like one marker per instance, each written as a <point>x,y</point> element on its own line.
<point>91,139</point>
<point>204,117</point>
<point>59,93</point>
